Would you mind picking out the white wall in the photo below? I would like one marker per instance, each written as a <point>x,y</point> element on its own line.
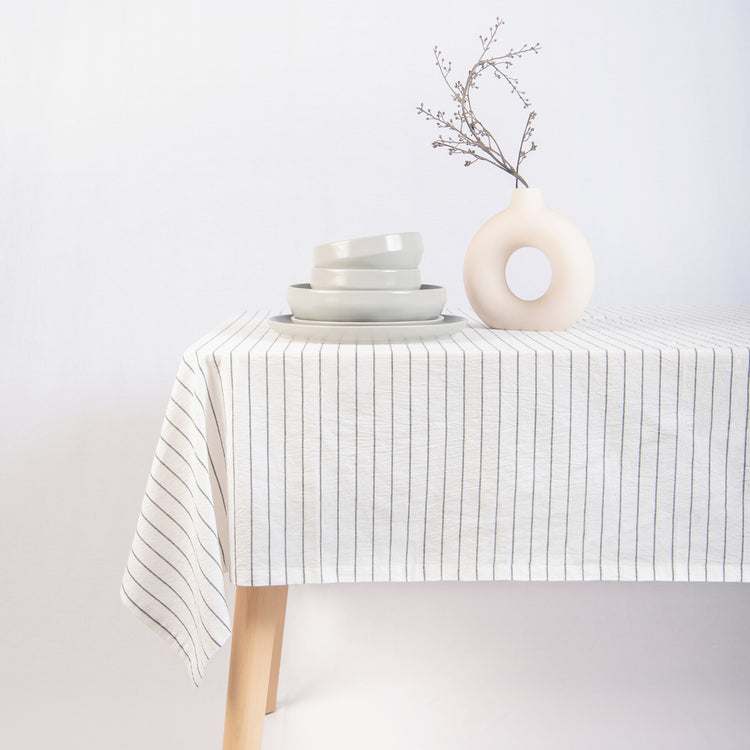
<point>164,165</point>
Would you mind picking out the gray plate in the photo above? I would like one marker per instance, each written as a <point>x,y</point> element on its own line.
<point>368,333</point>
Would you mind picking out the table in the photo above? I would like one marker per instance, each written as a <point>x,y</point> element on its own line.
<point>615,450</point>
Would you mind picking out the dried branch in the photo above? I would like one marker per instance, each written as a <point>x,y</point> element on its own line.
<point>464,132</point>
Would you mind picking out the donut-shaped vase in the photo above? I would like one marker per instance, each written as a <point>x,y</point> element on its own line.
<point>528,222</point>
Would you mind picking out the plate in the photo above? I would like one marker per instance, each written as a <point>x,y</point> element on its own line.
<point>366,333</point>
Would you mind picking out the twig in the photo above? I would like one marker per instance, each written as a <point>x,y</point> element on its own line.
<point>466,133</point>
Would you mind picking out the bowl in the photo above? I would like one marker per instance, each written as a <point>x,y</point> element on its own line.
<point>365,278</point>
<point>361,306</point>
<point>393,251</point>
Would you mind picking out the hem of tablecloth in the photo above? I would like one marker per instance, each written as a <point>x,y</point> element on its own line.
<point>610,574</point>
<point>180,648</point>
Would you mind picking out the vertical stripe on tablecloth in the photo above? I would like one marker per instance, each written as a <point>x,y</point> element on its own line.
<point>726,469</point>
<point>515,473</point>
<point>338,458</point>
<point>516,421</point>
<point>603,339</point>
<point>463,458</point>
<point>481,332</point>
<point>463,453</point>
<point>710,441</point>
<point>284,426</point>
<point>250,480</point>
<point>606,339</point>
<point>586,469</point>
<point>710,331</point>
<point>233,436</point>
<point>320,460</point>
<point>232,418</point>
<point>481,452</point>
<point>661,469</point>
<point>481,444</point>
<point>539,380</point>
<point>374,464</point>
<point>570,456</point>
<point>356,453</point>
<point>533,460</point>
<point>604,458</point>
<point>302,455</point>
<point>427,467</point>
<point>640,457</point>
<point>445,462</point>
<point>419,459</point>
<point>676,445</point>
<point>363,470</point>
<point>497,469</point>
<point>692,466</point>
<point>390,517</point>
<point>205,379</point>
<point>268,460</point>
<point>622,452</point>
<point>551,458</point>
<point>558,340</point>
<point>409,482</point>
<point>509,342</point>
<point>658,451</point>
<point>445,466</point>
<point>744,469</point>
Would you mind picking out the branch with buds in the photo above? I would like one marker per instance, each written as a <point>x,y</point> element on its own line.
<point>463,132</point>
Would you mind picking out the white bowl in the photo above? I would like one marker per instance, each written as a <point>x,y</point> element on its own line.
<point>365,278</point>
<point>402,250</point>
<point>391,305</point>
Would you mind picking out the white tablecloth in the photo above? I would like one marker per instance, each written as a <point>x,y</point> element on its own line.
<point>616,450</point>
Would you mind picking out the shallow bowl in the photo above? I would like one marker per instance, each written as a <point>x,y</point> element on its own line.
<point>391,305</point>
<point>365,278</point>
<point>403,250</point>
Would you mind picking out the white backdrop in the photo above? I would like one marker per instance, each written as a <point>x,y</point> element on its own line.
<point>164,165</point>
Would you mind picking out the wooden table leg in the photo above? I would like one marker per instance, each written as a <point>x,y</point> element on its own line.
<point>278,638</point>
<point>254,663</point>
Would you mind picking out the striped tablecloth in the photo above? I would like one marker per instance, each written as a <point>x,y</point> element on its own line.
<point>616,450</point>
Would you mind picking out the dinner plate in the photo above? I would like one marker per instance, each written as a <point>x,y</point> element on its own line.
<point>367,332</point>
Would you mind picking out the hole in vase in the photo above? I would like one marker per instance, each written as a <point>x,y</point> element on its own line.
<point>528,273</point>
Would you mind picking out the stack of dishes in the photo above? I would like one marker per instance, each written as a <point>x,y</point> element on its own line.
<point>367,290</point>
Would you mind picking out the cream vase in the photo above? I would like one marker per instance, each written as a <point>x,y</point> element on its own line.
<point>528,222</point>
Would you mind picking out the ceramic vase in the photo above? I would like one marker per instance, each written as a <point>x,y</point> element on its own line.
<point>528,222</point>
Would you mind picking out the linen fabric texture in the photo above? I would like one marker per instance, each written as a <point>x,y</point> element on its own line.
<point>615,450</point>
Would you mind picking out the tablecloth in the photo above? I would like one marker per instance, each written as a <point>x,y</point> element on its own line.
<point>615,450</point>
